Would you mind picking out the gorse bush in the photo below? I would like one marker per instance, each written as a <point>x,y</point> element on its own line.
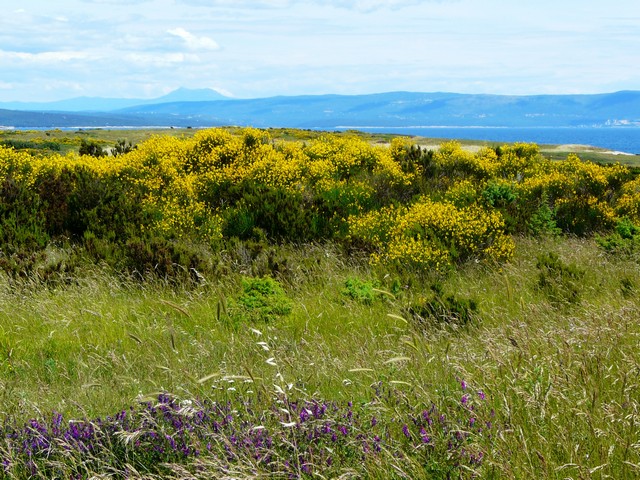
<point>412,209</point>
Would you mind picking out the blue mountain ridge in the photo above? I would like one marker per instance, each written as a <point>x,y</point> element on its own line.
<point>392,109</point>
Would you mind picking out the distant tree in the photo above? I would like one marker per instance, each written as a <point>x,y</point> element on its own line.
<point>121,147</point>
<point>90,147</point>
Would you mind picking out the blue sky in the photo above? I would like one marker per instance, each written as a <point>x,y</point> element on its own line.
<point>51,50</point>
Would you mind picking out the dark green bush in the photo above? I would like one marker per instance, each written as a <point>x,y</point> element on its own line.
<point>499,195</point>
<point>165,258</point>
<point>561,283</point>
<point>441,308</point>
<point>624,240</point>
<point>22,220</point>
<point>92,148</point>
<point>281,214</point>
<point>106,206</point>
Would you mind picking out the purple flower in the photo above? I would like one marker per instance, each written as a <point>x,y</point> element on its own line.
<point>405,430</point>
<point>481,395</point>
<point>463,384</point>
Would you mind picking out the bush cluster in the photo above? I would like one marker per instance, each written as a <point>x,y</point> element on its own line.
<point>159,206</point>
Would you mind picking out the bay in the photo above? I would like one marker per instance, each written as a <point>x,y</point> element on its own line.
<point>618,139</point>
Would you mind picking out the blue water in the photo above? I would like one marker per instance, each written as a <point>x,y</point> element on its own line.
<point>620,139</point>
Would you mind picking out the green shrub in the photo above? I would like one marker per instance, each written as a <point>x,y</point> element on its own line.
<point>165,258</point>
<point>22,220</point>
<point>560,282</point>
<point>624,240</point>
<point>92,148</point>
<point>281,214</point>
<point>441,308</point>
<point>105,205</point>
<point>360,291</point>
<point>262,299</point>
<point>543,221</point>
<point>499,194</point>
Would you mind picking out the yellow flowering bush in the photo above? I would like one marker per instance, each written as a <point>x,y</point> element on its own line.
<point>430,209</point>
<point>432,234</point>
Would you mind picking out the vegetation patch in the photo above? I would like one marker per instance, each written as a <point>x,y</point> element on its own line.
<point>313,304</point>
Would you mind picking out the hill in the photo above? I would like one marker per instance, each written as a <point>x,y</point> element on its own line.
<point>101,104</point>
<point>393,109</point>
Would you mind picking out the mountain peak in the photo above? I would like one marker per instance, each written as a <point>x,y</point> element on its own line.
<point>183,94</point>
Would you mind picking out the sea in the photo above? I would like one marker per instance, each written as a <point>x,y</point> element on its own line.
<point>617,139</point>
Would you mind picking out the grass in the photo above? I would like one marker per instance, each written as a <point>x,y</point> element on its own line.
<point>562,379</point>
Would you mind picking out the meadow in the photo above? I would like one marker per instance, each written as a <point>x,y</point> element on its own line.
<point>241,303</point>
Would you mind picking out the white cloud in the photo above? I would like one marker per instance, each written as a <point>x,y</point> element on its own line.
<point>194,42</point>
<point>371,5</point>
<point>43,57</point>
<point>359,5</point>
<point>161,59</point>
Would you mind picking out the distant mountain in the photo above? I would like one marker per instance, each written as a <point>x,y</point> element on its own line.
<point>394,109</point>
<point>22,119</point>
<point>401,109</point>
<point>100,104</point>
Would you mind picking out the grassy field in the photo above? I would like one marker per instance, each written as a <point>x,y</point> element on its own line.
<point>305,359</point>
<point>560,380</point>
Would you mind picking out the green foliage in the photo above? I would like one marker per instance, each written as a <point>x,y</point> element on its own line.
<point>543,221</point>
<point>281,214</point>
<point>104,205</point>
<point>31,145</point>
<point>560,282</point>
<point>262,300</point>
<point>581,216</point>
<point>22,221</point>
<point>624,240</point>
<point>91,148</point>
<point>499,195</point>
<point>121,147</point>
<point>360,291</point>
<point>440,308</point>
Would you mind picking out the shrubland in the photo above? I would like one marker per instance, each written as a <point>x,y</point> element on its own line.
<point>231,305</point>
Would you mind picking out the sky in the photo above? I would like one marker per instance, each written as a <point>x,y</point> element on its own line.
<point>53,50</point>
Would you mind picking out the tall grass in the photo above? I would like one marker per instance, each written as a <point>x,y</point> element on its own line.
<point>559,379</point>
